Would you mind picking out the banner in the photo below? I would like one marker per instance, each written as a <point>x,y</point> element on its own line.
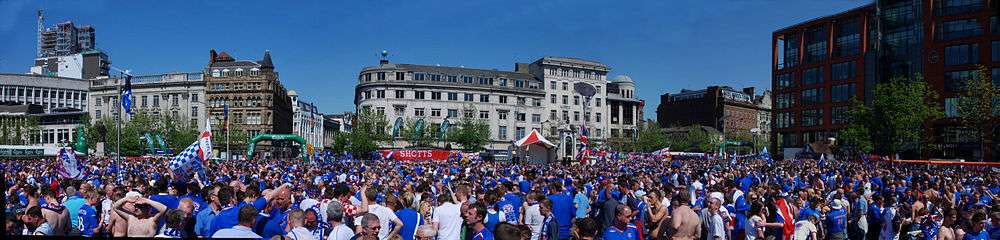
<point>418,155</point>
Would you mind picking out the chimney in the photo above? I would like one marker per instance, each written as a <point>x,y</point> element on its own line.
<point>748,90</point>
<point>521,67</point>
<point>212,56</point>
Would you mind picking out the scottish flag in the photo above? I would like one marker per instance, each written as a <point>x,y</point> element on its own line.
<point>127,94</point>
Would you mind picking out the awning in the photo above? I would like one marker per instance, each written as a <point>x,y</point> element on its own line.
<point>532,138</point>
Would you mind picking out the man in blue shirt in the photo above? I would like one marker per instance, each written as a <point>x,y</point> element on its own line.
<point>411,218</point>
<point>581,202</point>
<point>621,230</point>
<point>474,216</point>
<point>511,204</point>
<point>228,216</point>
<point>562,208</point>
<point>280,200</point>
<point>208,212</point>
<point>836,221</point>
<point>87,215</point>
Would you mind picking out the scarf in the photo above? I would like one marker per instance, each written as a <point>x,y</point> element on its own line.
<point>171,232</point>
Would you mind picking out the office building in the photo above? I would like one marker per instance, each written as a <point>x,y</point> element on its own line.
<point>307,121</point>
<point>819,65</point>
<point>49,92</point>
<point>728,110</point>
<point>177,95</point>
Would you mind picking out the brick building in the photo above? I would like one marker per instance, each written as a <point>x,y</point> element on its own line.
<point>720,107</point>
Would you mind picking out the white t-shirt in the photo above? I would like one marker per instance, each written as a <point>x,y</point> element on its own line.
<point>803,230</point>
<point>385,216</point>
<point>752,227</point>
<point>534,219</point>
<point>341,232</point>
<point>448,216</point>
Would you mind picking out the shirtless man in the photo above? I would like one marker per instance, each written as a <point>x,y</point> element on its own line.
<point>685,220</point>
<point>141,223</point>
<point>117,224</point>
<point>55,213</point>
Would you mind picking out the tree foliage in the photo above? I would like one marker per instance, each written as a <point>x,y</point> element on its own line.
<point>471,133</point>
<point>976,106</point>
<point>856,138</point>
<point>895,120</point>
<point>368,131</point>
<point>650,137</point>
<point>419,136</point>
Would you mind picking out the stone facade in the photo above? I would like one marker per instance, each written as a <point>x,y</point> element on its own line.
<point>179,95</point>
<point>307,121</point>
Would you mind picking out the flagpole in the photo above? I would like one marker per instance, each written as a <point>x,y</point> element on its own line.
<point>228,153</point>
<point>118,122</point>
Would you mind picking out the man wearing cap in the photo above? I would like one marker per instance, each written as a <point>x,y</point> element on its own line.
<point>836,221</point>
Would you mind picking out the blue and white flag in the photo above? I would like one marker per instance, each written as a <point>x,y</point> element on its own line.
<point>69,166</point>
<point>127,94</point>
<point>191,160</point>
<point>765,156</point>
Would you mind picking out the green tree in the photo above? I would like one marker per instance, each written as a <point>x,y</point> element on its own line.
<point>179,134</point>
<point>650,137</point>
<point>368,131</point>
<point>976,107</point>
<point>472,133</point>
<point>896,117</point>
<point>857,138</point>
<point>340,142</point>
<point>423,136</point>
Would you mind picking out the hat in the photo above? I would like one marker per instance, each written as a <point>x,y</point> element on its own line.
<point>836,204</point>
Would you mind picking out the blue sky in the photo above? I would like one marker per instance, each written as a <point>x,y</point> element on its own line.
<point>319,47</point>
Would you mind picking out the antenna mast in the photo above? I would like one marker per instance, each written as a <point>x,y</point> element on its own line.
<point>40,30</point>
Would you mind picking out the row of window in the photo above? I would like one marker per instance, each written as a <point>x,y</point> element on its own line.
<point>236,86</point>
<point>451,96</point>
<point>813,117</point>
<point>838,93</point>
<point>838,72</point>
<point>573,73</point>
<point>434,77</point>
<point>238,72</point>
<point>553,85</point>
<point>846,42</point>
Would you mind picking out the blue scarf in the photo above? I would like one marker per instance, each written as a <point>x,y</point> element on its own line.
<point>170,232</point>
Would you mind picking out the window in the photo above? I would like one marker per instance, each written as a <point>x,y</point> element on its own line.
<point>958,29</point>
<point>502,114</point>
<point>784,80</point>
<point>961,54</point>
<point>485,81</point>
<point>379,110</point>
<point>419,112</point>
<point>552,98</point>
<point>435,112</point>
<point>553,115</point>
<point>468,97</point>
<point>435,77</point>
<point>519,83</point>
<point>215,73</point>
<point>565,116</point>
<point>597,117</point>
<point>951,107</point>
<point>816,44</point>
<point>537,102</point>
<point>953,7</point>
<point>565,86</point>
<point>435,95</point>
<point>565,99</point>
<point>502,132</point>
<point>552,84</point>
<point>418,76</point>
<point>399,110</point>
<point>380,76</point>
<point>485,98</point>
<point>812,117</point>
<point>418,94</point>
<point>400,76</point>
<point>143,101</point>
<point>955,81</point>
<point>784,100</point>
<point>576,100</point>
<point>843,71</point>
<point>842,93</point>
<point>156,100</point>
<point>995,51</point>
<point>520,132</point>
<point>194,97</point>
<point>791,49</point>
<point>848,40</point>
<point>367,77</point>
<point>520,116</point>
<point>812,76</point>
<point>467,79</point>
<point>576,116</point>
<point>452,96</point>
<point>452,113</point>
<point>503,82</point>
<point>503,99</point>
<point>536,118</point>
<point>812,96</point>
<point>840,115</point>
<point>452,79</point>
<point>484,114</point>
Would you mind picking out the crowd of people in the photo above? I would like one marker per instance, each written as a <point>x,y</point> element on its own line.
<point>638,197</point>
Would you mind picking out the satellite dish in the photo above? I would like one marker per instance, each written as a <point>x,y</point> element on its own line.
<point>585,89</point>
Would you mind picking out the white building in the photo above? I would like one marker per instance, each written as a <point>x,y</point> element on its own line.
<point>179,95</point>
<point>48,91</point>
<point>567,110</point>
<point>307,121</point>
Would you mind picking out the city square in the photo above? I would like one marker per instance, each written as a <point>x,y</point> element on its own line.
<point>718,120</point>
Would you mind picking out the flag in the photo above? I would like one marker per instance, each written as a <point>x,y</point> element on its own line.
<point>765,156</point>
<point>127,94</point>
<point>583,134</point>
<point>69,166</point>
<point>192,159</point>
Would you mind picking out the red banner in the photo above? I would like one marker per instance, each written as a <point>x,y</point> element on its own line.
<point>419,155</point>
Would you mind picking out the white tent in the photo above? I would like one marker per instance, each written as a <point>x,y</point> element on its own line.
<point>536,154</point>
